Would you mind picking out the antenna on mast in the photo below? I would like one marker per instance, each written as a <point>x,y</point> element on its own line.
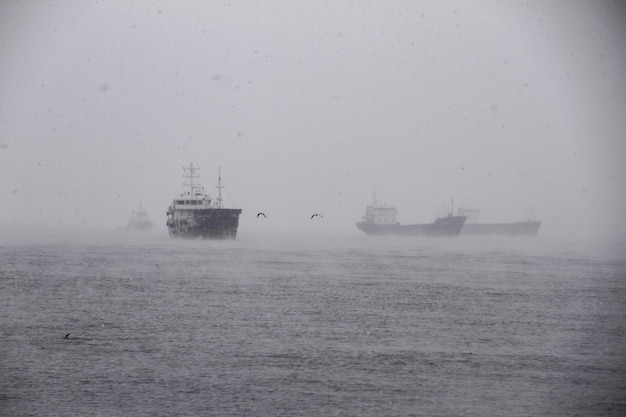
<point>219,187</point>
<point>190,173</point>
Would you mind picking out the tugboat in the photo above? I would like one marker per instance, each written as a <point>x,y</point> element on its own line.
<point>380,220</point>
<point>195,215</point>
<point>139,220</point>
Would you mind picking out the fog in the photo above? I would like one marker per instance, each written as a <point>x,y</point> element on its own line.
<point>515,108</point>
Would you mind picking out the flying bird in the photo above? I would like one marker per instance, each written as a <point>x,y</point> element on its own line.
<point>316,214</point>
<point>261,214</point>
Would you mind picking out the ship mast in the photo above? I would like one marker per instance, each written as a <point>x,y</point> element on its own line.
<point>190,173</point>
<point>219,187</point>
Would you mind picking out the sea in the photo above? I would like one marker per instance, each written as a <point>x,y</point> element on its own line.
<point>137,324</point>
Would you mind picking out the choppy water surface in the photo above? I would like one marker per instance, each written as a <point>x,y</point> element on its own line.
<point>311,327</point>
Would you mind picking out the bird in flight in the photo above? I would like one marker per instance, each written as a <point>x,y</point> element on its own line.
<point>316,214</point>
<point>261,214</point>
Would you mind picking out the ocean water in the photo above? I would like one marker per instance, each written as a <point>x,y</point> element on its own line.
<point>311,326</point>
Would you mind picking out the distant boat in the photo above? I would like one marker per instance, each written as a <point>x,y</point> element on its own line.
<point>195,214</point>
<point>473,228</point>
<point>139,220</point>
<point>381,220</point>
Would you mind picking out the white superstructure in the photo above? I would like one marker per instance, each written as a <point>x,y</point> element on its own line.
<point>380,214</point>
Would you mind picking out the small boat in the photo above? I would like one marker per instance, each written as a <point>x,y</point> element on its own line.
<point>139,220</point>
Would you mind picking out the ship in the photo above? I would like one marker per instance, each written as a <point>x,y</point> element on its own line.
<point>195,214</point>
<point>473,227</point>
<point>381,220</point>
<point>139,220</point>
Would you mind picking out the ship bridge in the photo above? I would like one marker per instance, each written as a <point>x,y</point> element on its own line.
<point>381,214</point>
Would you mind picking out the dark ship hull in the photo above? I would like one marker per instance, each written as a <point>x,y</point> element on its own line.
<point>442,227</point>
<point>211,223</point>
<point>527,228</point>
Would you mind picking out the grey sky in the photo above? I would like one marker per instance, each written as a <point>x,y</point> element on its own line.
<point>511,107</point>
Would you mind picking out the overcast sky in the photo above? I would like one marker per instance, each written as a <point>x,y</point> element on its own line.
<point>516,108</point>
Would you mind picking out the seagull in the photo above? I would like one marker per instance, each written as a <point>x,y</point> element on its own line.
<point>317,215</point>
<point>261,214</point>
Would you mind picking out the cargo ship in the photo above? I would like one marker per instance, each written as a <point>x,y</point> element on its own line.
<point>473,227</point>
<point>195,214</point>
<point>381,220</point>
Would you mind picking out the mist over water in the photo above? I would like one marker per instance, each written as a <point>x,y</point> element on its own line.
<point>517,109</point>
